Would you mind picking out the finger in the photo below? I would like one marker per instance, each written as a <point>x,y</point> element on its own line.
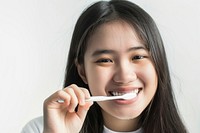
<point>80,93</point>
<point>86,93</point>
<point>78,96</point>
<point>73,99</point>
<point>82,110</point>
<point>52,101</point>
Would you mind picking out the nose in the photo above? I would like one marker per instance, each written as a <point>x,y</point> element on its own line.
<point>125,73</point>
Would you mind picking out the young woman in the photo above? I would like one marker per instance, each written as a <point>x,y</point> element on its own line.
<point>116,49</point>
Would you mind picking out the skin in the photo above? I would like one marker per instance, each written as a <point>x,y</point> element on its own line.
<point>62,117</point>
<point>115,60</point>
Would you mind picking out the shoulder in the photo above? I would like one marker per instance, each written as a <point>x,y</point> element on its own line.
<point>34,126</point>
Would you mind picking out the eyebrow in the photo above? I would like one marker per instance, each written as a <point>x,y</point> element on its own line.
<point>137,48</point>
<point>100,52</point>
<point>107,51</point>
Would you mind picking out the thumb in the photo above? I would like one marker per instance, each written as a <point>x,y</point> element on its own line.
<point>83,109</point>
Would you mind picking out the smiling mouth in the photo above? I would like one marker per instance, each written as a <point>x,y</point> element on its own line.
<point>119,93</point>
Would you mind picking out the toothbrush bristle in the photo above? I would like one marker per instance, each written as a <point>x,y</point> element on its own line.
<point>129,96</point>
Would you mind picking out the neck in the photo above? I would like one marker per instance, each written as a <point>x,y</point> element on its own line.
<point>120,125</point>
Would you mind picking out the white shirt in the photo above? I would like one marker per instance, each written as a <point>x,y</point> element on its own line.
<point>106,130</point>
<point>36,126</point>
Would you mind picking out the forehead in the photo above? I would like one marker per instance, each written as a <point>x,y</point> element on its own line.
<point>113,35</point>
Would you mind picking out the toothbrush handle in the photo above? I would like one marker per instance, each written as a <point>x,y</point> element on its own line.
<point>97,98</point>
<point>102,98</point>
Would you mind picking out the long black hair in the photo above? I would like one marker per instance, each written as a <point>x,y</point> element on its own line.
<point>161,115</point>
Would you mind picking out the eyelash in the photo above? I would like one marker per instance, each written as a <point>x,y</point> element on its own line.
<point>134,58</point>
<point>104,61</point>
<point>138,57</point>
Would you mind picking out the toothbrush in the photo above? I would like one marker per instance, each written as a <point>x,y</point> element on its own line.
<point>126,96</point>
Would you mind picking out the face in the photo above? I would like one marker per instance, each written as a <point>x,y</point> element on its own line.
<point>117,62</point>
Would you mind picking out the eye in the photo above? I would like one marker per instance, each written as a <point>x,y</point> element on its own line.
<point>104,61</point>
<point>138,57</point>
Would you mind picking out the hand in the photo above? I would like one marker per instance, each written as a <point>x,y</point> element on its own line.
<point>62,117</point>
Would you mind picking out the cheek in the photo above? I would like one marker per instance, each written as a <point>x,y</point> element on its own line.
<point>152,76</point>
<point>97,79</point>
<point>150,79</point>
<point>148,71</point>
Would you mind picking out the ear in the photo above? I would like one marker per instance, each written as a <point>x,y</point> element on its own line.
<point>81,72</point>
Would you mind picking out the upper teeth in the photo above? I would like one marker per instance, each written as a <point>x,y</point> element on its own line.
<point>115,93</point>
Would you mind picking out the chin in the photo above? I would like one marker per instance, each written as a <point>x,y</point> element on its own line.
<point>129,116</point>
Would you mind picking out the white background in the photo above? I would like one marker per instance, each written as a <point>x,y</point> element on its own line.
<point>34,41</point>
